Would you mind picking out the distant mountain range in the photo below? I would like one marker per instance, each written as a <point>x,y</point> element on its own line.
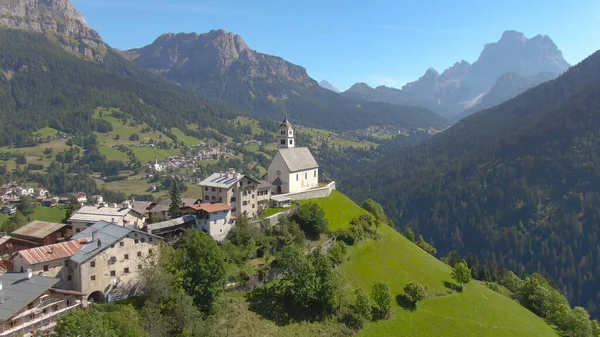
<point>329,86</point>
<point>503,70</point>
<point>219,64</point>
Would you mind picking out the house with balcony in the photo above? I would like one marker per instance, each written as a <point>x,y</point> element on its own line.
<point>30,305</point>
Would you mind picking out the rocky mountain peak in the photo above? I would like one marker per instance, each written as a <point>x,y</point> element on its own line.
<point>359,87</point>
<point>53,16</point>
<point>329,86</point>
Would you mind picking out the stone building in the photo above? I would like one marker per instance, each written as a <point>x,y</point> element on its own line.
<point>234,189</point>
<point>212,218</point>
<point>122,215</point>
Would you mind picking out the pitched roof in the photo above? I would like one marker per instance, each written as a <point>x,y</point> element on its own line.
<point>298,158</point>
<point>95,214</point>
<point>172,223</point>
<point>225,180</point>
<point>38,229</point>
<point>52,252</point>
<point>264,184</point>
<point>108,235</point>
<point>278,182</point>
<point>190,201</point>
<point>18,291</point>
<point>142,207</point>
<point>211,207</point>
<point>286,123</point>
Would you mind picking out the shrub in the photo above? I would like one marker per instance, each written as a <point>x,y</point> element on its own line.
<point>415,291</point>
<point>380,293</point>
<point>311,218</point>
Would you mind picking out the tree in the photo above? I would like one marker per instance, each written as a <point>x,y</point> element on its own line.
<point>375,209</point>
<point>579,323</point>
<point>461,274</point>
<point>409,234</point>
<point>415,291</point>
<point>426,246</point>
<point>27,205</point>
<point>243,232</point>
<point>338,253</point>
<point>85,322</point>
<point>595,328</point>
<point>134,137</point>
<point>380,293</point>
<point>363,305</point>
<point>175,196</point>
<point>201,263</point>
<point>311,218</point>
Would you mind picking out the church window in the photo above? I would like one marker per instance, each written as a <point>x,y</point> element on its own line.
<point>283,142</point>
<point>290,132</point>
<point>283,132</point>
<point>315,173</point>
<point>291,141</point>
<point>296,176</point>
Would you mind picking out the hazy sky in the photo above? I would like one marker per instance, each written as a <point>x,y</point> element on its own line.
<point>344,42</point>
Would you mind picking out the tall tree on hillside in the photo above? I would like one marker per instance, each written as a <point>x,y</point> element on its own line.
<point>461,274</point>
<point>175,196</point>
<point>382,297</point>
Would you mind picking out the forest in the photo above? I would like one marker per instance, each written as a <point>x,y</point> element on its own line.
<point>516,184</point>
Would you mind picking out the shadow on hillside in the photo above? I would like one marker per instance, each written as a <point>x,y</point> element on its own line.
<point>405,303</point>
<point>453,286</point>
<point>272,302</point>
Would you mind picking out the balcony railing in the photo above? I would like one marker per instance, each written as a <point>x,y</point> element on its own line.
<point>42,322</point>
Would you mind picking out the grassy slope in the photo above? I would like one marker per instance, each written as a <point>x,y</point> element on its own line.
<point>394,260</point>
<point>339,210</point>
<point>49,214</point>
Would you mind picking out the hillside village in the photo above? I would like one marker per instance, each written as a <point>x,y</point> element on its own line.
<point>95,255</point>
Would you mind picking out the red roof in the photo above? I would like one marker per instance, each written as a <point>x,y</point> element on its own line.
<point>211,207</point>
<point>52,252</point>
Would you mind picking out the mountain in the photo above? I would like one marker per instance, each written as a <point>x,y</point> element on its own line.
<point>516,184</point>
<point>220,64</point>
<point>43,85</point>
<point>329,86</point>
<point>56,18</point>
<point>461,88</point>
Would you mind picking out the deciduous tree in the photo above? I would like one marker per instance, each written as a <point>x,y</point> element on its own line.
<point>461,274</point>
<point>380,293</point>
<point>415,291</point>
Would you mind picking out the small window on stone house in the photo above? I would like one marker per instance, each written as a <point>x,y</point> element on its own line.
<point>93,277</point>
<point>139,254</point>
<point>113,273</point>
<point>93,264</point>
<point>122,243</point>
<point>126,270</point>
<point>46,268</point>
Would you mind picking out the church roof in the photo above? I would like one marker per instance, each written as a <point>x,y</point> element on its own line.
<point>298,158</point>
<point>286,123</point>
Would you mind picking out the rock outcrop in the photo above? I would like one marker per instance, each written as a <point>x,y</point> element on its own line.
<point>56,18</point>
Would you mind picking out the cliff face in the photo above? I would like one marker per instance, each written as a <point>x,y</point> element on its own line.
<point>56,18</point>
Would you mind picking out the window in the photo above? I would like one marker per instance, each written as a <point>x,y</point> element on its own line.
<point>66,263</point>
<point>283,132</point>
<point>244,203</point>
<point>143,240</point>
<point>13,323</point>
<point>315,173</point>
<point>126,270</point>
<point>93,278</point>
<point>220,199</point>
<point>136,241</point>
<point>150,239</point>
<point>245,193</point>
<point>253,196</point>
<point>150,251</point>
<point>126,257</point>
<point>44,311</point>
<point>306,175</point>
<point>283,142</point>
<point>233,210</point>
<point>206,188</point>
<point>55,307</point>
<point>232,199</point>
<point>68,303</point>
<point>207,198</point>
<point>213,189</point>
<point>46,268</point>
<point>220,190</point>
<point>93,264</point>
<point>113,273</point>
<point>122,243</point>
<point>252,205</point>
<point>139,254</point>
<point>32,316</point>
<point>139,266</point>
<point>290,132</point>
<point>291,141</point>
<point>69,278</point>
<point>296,176</point>
<point>78,230</point>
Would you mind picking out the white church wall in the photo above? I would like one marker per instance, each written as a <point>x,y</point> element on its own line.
<point>303,180</point>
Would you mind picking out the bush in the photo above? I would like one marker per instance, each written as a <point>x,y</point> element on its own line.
<point>380,293</point>
<point>338,253</point>
<point>375,209</point>
<point>311,218</point>
<point>415,291</point>
<point>426,246</point>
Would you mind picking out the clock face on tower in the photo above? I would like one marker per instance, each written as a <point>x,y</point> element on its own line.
<point>278,173</point>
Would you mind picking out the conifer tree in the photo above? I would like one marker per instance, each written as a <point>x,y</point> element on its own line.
<point>175,196</point>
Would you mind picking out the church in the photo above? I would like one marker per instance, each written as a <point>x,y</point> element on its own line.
<point>293,169</point>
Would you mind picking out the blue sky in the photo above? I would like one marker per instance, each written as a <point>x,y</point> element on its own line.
<point>377,42</point>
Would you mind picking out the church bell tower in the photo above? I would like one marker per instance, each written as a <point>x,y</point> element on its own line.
<point>285,138</point>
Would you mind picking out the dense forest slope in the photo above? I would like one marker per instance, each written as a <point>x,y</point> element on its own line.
<point>43,85</point>
<point>516,184</point>
<point>221,65</point>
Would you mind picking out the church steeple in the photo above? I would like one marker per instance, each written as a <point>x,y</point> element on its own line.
<point>285,138</point>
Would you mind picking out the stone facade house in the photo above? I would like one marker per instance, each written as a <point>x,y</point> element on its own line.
<point>233,189</point>
<point>88,215</point>
<point>214,219</point>
<point>106,268</point>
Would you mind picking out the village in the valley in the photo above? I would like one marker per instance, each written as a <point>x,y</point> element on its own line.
<point>97,253</point>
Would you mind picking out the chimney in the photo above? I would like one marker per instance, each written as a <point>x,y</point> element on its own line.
<point>99,243</point>
<point>51,250</point>
<point>94,235</point>
<point>29,273</point>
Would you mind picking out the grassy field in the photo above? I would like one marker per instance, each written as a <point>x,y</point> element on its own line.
<point>3,219</point>
<point>339,209</point>
<point>50,214</point>
<point>47,132</point>
<point>112,153</point>
<point>146,154</point>
<point>342,142</point>
<point>253,123</point>
<point>182,137</point>
<point>124,131</point>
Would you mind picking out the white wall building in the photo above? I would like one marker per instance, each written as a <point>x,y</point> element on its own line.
<point>214,219</point>
<point>293,169</point>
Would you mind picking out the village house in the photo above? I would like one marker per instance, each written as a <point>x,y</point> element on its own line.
<point>30,304</point>
<point>233,189</point>
<point>263,195</point>
<point>293,169</point>
<point>142,208</point>
<point>43,232</point>
<point>51,260</point>
<point>50,202</point>
<point>212,218</point>
<point>172,229</point>
<point>89,215</point>
<point>10,245</point>
<point>81,198</point>
<point>160,212</point>
<point>106,268</point>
